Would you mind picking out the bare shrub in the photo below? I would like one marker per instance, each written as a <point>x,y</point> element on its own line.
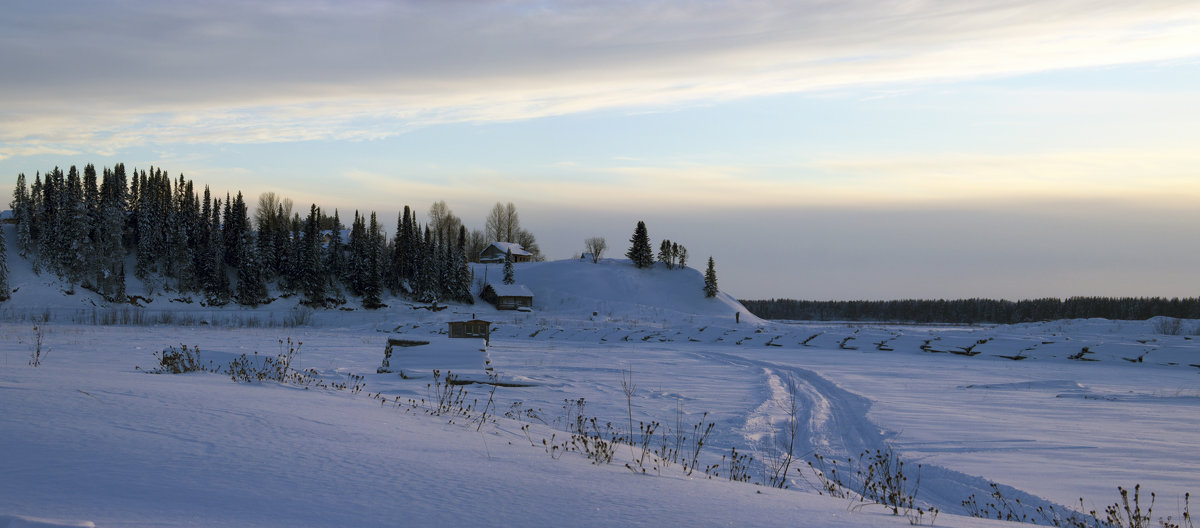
<point>37,354</point>
<point>1168,326</point>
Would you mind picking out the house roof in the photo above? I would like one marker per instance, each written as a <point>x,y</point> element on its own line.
<point>511,290</point>
<point>504,247</point>
<point>343,234</point>
<point>6,214</point>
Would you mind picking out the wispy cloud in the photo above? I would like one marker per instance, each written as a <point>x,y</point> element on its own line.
<point>107,76</point>
<point>1165,177</point>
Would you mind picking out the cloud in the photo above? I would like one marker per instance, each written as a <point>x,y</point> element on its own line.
<point>1163,176</point>
<point>106,76</point>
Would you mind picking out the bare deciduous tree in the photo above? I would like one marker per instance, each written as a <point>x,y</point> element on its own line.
<point>503,223</point>
<point>529,242</point>
<point>476,242</point>
<point>595,246</point>
<point>442,221</point>
<point>269,205</point>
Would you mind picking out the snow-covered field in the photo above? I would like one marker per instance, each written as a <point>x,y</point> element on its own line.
<point>88,436</point>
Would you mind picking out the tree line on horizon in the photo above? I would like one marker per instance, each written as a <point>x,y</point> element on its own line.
<point>971,311</point>
<point>85,226</point>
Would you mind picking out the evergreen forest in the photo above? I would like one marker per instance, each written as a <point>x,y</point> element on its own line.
<point>972,311</point>
<point>90,228</point>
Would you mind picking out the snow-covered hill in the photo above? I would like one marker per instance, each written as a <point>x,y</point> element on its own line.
<point>572,289</point>
<point>1056,410</point>
<point>615,288</point>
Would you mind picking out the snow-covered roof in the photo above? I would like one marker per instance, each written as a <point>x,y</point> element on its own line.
<point>504,247</point>
<point>6,214</point>
<point>511,290</point>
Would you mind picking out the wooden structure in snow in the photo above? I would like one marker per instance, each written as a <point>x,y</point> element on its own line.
<point>495,252</point>
<point>415,357</point>
<point>472,328</point>
<point>508,296</point>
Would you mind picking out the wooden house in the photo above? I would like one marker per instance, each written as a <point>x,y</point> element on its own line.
<point>508,296</point>
<point>496,251</point>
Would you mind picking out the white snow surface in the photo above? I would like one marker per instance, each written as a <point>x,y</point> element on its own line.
<point>90,438</point>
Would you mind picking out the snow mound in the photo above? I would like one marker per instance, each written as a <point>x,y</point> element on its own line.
<point>415,357</point>
<point>1054,385</point>
<point>613,288</point>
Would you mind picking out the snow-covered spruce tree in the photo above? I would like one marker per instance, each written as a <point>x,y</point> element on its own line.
<point>335,256</point>
<point>372,295</point>
<point>151,224</point>
<point>237,222</point>
<point>415,257</point>
<point>639,249</point>
<point>395,269</point>
<point>462,278</point>
<point>5,292</point>
<point>710,279</point>
<point>88,258</point>
<point>252,284</point>
<point>509,271</point>
<point>448,269</point>
<point>215,279</point>
<point>312,270</point>
<point>22,208</point>
<point>111,229</point>
<point>49,221</point>
<point>293,269</point>
<point>264,250</point>
<point>74,240</point>
<point>183,218</point>
<point>427,288</point>
<point>202,255</point>
<point>682,257</point>
<point>356,263</point>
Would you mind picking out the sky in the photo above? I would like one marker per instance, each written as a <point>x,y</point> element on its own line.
<point>815,149</point>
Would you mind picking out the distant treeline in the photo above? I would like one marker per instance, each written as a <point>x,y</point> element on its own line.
<point>976,310</point>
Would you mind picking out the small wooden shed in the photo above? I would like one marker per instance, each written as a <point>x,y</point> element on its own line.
<point>472,328</point>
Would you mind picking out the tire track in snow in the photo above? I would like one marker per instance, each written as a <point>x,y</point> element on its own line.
<point>833,422</point>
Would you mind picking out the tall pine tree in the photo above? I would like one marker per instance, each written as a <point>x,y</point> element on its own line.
<point>639,249</point>
<point>372,290</point>
<point>22,208</point>
<point>462,279</point>
<point>710,279</point>
<point>5,292</point>
<point>509,271</point>
<point>335,254</point>
<point>111,228</point>
<point>312,269</point>
<point>252,284</point>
